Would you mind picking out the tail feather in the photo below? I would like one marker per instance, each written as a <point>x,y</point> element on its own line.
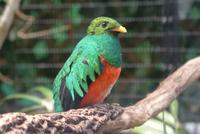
<point>66,99</point>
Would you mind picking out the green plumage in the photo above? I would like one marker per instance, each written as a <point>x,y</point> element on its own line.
<point>84,61</point>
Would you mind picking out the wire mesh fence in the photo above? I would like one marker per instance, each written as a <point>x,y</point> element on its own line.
<point>161,36</point>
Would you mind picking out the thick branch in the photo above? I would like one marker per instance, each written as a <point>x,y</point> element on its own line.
<point>6,19</point>
<point>105,117</point>
<point>160,99</point>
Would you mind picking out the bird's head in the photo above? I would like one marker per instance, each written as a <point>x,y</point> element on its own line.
<point>103,25</point>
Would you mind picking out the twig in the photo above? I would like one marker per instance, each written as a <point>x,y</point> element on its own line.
<point>104,117</point>
<point>5,79</point>
<point>29,20</point>
<point>6,19</point>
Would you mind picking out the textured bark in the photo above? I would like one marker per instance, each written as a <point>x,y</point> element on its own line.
<point>81,121</point>
<point>105,117</point>
<point>7,18</point>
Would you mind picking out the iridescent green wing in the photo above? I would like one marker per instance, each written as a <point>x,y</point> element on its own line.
<point>72,83</point>
<point>83,68</point>
<point>59,85</point>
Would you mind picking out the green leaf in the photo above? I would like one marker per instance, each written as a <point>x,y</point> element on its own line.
<point>7,89</point>
<point>31,108</point>
<point>144,51</point>
<point>57,2</point>
<point>40,50</point>
<point>195,13</point>
<point>174,109</point>
<point>75,15</point>
<point>34,13</point>
<point>22,68</point>
<point>23,96</point>
<point>164,123</point>
<point>155,125</point>
<point>4,1</point>
<point>20,96</point>
<point>169,119</point>
<point>191,53</point>
<point>60,37</point>
<point>46,92</point>
<point>25,2</point>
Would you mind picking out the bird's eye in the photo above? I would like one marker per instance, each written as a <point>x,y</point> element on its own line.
<point>104,24</point>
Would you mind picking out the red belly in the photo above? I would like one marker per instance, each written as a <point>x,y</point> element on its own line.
<point>100,88</point>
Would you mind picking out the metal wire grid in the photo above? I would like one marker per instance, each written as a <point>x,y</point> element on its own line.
<point>76,36</point>
<point>99,4</point>
<point>129,83</point>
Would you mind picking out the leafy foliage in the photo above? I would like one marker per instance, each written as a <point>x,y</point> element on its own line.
<point>155,125</point>
<point>41,101</point>
<point>34,62</point>
<point>195,13</point>
<point>7,89</point>
<point>40,50</point>
<point>74,14</point>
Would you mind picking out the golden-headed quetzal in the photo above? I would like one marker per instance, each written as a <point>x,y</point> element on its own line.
<point>92,69</point>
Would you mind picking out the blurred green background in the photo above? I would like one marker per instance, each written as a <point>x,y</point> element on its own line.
<point>162,35</point>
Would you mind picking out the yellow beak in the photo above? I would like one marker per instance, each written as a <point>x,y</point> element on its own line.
<point>120,29</point>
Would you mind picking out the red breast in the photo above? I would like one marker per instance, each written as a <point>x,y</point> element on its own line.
<point>100,88</point>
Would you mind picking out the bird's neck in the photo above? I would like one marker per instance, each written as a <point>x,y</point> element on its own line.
<point>109,48</point>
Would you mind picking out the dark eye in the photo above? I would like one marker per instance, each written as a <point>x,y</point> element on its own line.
<point>104,24</point>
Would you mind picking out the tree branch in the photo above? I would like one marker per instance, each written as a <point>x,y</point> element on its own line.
<point>6,19</point>
<point>29,20</point>
<point>158,100</point>
<point>104,117</point>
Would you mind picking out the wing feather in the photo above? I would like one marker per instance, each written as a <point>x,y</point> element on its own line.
<point>77,74</point>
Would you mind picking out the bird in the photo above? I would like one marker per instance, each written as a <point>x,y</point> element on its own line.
<point>93,67</point>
